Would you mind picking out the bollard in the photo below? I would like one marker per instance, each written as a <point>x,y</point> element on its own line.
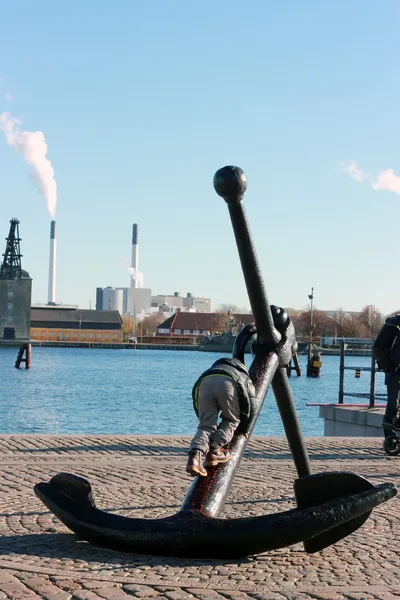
<point>314,365</point>
<point>24,350</point>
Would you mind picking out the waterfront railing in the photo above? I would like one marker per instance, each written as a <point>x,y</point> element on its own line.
<point>373,370</point>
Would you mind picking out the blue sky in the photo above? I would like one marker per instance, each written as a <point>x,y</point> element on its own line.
<point>142,101</point>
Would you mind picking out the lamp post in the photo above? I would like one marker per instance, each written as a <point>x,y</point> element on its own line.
<point>311,297</point>
<point>314,357</point>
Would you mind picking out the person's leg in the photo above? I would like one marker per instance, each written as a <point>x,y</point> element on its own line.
<point>393,389</point>
<point>208,418</point>
<point>228,401</point>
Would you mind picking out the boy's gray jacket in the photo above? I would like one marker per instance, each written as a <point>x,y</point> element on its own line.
<point>237,371</point>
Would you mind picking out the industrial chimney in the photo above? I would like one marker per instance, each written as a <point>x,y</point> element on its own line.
<point>52,265</point>
<point>135,256</point>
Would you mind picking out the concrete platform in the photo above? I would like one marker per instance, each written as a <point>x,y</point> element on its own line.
<point>344,421</point>
<point>144,476</point>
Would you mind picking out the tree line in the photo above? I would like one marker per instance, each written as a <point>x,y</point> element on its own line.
<point>365,324</point>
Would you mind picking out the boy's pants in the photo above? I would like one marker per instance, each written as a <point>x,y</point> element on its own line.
<point>216,393</point>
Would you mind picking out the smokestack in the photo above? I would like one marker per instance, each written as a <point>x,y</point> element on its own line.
<point>52,265</point>
<point>135,256</point>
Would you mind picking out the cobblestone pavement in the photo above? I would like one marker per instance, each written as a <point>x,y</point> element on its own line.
<point>144,476</point>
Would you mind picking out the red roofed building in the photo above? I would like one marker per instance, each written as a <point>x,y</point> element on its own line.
<point>197,323</point>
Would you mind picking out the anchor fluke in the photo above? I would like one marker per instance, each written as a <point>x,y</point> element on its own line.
<point>322,487</point>
<point>76,488</point>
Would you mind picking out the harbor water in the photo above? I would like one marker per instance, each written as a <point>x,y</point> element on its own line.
<point>100,391</point>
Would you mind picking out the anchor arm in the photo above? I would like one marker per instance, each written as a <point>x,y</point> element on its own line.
<point>192,534</point>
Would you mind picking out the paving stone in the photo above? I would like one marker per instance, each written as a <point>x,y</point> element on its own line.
<point>85,595</point>
<point>7,577</point>
<point>67,584</point>
<point>94,585</point>
<point>205,594</point>
<point>43,588</point>
<point>178,594</point>
<point>141,591</point>
<point>111,592</point>
<point>17,591</point>
<point>234,595</point>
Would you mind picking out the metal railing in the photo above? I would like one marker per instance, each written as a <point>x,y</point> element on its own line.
<point>373,369</point>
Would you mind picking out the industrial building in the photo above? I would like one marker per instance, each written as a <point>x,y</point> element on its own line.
<point>197,323</point>
<point>58,323</point>
<point>15,292</point>
<point>188,302</point>
<point>137,301</point>
<point>134,300</point>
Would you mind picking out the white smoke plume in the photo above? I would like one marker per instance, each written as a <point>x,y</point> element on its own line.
<point>137,276</point>
<point>385,180</point>
<point>33,148</point>
<point>134,273</point>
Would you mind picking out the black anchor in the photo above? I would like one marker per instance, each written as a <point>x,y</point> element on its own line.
<point>330,505</point>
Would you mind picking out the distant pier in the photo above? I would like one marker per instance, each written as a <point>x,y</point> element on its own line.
<point>219,348</point>
<point>121,346</point>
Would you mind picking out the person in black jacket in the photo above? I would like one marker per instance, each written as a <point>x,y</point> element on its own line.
<point>225,388</point>
<point>386,350</point>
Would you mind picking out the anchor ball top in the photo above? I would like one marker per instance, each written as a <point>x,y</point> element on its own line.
<point>230,183</point>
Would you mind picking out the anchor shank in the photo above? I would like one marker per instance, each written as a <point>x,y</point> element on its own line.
<point>229,183</point>
<point>266,332</point>
<point>284,399</point>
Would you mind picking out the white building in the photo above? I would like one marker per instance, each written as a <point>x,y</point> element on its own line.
<point>130,301</point>
<point>186,304</point>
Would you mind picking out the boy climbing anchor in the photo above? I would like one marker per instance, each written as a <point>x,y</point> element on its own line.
<point>225,388</point>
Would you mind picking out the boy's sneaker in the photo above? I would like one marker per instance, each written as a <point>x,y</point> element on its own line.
<point>217,456</point>
<point>195,464</point>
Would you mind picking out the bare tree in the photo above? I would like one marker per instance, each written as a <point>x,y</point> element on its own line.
<point>322,324</point>
<point>148,325</point>
<point>223,321</point>
<point>293,312</point>
<point>371,319</point>
<point>127,326</point>
<point>228,308</point>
